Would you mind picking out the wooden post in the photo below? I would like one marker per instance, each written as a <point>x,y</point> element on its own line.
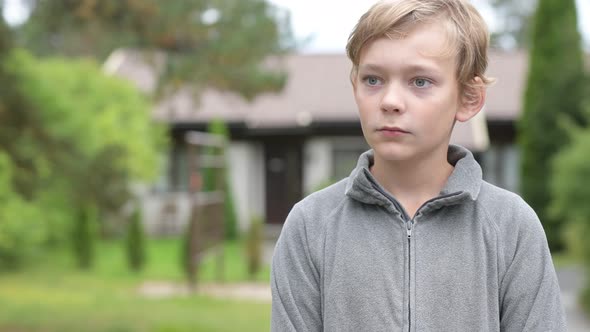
<point>221,218</point>
<point>193,227</point>
<point>206,226</point>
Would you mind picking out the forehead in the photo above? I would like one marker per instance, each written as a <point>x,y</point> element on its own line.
<point>426,45</point>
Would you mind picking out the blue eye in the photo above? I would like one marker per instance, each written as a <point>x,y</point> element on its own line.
<point>422,83</point>
<point>371,80</point>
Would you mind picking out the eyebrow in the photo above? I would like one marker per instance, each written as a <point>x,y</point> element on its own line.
<point>409,68</point>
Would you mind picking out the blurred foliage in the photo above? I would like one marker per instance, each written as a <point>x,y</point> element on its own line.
<point>513,29</point>
<point>84,237</point>
<point>571,194</point>
<point>97,131</point>
<point>218,127</point>
<point>217,43</point>
<point>554,94</point>
<point>135,242</point>
<point>22,229</point>
<point>74,139</point>
<point>254,246</point>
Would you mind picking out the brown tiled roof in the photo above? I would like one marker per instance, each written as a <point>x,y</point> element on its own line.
<point>317,89</point>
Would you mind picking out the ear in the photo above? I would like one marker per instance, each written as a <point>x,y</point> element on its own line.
<point>473,98</point>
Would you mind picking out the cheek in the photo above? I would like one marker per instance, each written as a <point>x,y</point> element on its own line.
<point>436,118</point>
<point>365,120</point>
<point>444,118</point>
<point>447,109</point>
<point>363,106</point>
<point>364,116</point>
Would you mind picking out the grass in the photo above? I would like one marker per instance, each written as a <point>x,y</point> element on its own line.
<point>55,296</point>
<point>565,259</point>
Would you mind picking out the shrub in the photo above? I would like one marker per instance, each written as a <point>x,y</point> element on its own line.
<point>135,241</point>
<point>22,230</point>
<point>83,237</point>
<point>571,194</point>
<point>88,137</point>
<point>254,246</point>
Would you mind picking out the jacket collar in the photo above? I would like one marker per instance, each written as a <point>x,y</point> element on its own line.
<point>463,183</point>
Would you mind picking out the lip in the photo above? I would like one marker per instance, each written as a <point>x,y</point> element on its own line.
<point>392,131</point>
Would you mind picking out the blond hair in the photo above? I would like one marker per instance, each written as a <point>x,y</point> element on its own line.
<point>467,32</point>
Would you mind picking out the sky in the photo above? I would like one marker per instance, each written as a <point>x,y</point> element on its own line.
<point>330,21</point>
<point>327,23</point>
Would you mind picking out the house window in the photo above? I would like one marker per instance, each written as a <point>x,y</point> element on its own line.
<point>345,156</point>
<point>500,165</point>
<point>178,169</point>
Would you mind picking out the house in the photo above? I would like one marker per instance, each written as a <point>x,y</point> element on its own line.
<point>287,145</point>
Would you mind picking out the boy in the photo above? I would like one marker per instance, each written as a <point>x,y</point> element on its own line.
<point>414,239</point>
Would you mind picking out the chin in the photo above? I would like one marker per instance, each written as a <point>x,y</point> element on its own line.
<point>394,152</point>
<point>401,152</point>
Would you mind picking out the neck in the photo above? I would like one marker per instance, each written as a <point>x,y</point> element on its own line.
<point>413,182</point>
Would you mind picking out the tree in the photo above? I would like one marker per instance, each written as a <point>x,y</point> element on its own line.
<point>83,237</point>
<point>100,128</point>
<point>554,94</point>
<point>513,28</point>
<point>15,111</point>
<point>571,195</point>
<point>135,242</point>
<point>219,43</point>
<point>22,230</point>
<point>254,246</point>
<point>77,145</point>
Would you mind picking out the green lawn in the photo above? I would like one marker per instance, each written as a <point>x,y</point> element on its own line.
<point>54,296</point>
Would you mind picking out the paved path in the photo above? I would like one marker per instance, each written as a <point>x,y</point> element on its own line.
<point>571,281</point>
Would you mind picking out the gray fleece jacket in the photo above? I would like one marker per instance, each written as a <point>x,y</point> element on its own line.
<point>475,258</point>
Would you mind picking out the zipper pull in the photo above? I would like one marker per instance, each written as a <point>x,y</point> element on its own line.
<point>409,230</point>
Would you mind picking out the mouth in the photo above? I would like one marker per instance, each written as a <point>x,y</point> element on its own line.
<point>392,130</point>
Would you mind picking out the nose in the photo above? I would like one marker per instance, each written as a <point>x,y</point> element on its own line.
<point>392,99</point>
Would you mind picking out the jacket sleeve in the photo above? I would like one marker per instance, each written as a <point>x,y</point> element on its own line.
<point>296,298</point>
<point>529,291</point>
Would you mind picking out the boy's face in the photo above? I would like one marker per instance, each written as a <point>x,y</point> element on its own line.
<point>408,95</point>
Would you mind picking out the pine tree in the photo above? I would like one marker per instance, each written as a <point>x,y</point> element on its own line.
<point>136,254</point>
<point>553,96</point>
<point>83,238</point>
<point>254,246</point>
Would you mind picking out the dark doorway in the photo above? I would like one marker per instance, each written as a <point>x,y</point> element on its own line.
<point>283,163</point>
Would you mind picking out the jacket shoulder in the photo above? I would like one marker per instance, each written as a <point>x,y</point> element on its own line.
<point>509,212</point>
<point>313,213</point>
<point>321,203</point>
<point>496,200</point>
<point>309,218</point>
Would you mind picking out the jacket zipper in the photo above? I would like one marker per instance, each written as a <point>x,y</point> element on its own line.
<point>409,223</point>
<point>409,229</point>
